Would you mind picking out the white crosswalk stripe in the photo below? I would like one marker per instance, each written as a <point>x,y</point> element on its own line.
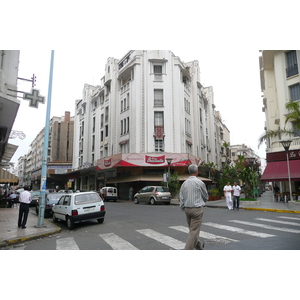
<point>164,239</point>
<point>66,244</point>
<point>116,242</point>
<point>239,230</point>
<point>278,221</point>
<point>206,235</point>
<point>266,226</point>
<point>290,218</point>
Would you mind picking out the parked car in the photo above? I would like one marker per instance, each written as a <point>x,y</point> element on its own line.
<point>79,207</point>
<point>153,194</point>
<point>50,199</point>
<point>35,196</point>
<point>109,193</point>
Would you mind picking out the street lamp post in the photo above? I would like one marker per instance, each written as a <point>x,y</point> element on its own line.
<point>286,146</point>
<point>169,160</point>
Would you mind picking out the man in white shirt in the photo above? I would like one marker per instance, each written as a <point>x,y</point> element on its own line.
<point>24,199</point>
<point>227,194</point>
<point>193,195</point>
<point>236,196</point>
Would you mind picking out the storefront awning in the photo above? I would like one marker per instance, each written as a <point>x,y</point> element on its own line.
<point>6,177</point>
<point>278,171</point>
<point>148,177</point>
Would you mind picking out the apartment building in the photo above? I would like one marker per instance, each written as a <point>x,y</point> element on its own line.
<point>59,156</point>
<point>280,83</point>
<point>9,104</point>
<point>150,107</point>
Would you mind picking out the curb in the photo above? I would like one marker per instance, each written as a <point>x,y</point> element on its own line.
<point>31,237</point>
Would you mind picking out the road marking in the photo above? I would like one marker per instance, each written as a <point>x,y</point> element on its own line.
<point>116,242</point>
<point>164,239</point>
<point>239,230</point>
<point>66,244</point>
<point>206,235</point>
<point>266,226</point>
<point>290,218</point>
<point>277,221</point>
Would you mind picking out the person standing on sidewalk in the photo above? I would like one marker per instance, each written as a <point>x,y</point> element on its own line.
<point>236,195</point>
<point>24,199</point>
<point>228,194</point>
<point>193,195</point>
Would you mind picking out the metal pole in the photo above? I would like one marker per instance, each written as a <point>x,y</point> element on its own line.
<point>40,222</point>
<point>289,174</point>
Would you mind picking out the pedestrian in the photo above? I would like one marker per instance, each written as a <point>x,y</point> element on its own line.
<point>130,193</point>
<point>236,195</point>
<point>11,199</point>
<point>24,199</point>
<point>228,194</point>
<point>193,195</point>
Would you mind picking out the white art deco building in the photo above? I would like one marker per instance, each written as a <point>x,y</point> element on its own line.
<point>149,107</point>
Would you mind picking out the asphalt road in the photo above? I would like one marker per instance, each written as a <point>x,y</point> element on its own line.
<point>128,226</point>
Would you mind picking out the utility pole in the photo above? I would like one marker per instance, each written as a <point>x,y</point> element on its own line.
<point>40,222</point>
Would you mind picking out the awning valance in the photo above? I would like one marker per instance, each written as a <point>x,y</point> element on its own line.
<point>6,177</point>
<point>278,171</point>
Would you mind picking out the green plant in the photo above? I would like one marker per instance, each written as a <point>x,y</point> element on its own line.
<point>214,192</point>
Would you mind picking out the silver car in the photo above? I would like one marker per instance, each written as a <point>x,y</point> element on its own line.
<point>152,195</point>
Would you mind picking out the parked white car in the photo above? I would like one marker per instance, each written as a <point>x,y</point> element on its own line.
<point>79,207</point>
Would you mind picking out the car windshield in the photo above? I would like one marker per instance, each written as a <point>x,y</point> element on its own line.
<point>87,198</point>
<point>37,193</point>
<point>162,189</point>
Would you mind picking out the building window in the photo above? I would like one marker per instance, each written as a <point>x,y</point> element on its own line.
<point>291,63</point>
<point>158,98</point>
<point>157,69</point>
<point>296,129</point>
<point>295,92</point>
<point>159,146</point>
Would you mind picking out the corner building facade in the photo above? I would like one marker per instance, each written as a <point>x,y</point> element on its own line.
<point>149,106</point>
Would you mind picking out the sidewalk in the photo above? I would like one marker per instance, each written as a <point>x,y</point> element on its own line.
<point>264,203</point>
<point>10,234</point>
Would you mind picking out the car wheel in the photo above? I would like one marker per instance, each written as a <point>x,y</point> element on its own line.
<point>136,201</point>
<point>54,218</point>
<point>70,223</point>
<point>152,201</point>
<point>100,221</point>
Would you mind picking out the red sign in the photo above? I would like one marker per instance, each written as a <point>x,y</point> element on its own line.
<point>107,162</point>
<point>154,160</point>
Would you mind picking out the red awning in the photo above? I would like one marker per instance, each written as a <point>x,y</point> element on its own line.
<point>278,171</point>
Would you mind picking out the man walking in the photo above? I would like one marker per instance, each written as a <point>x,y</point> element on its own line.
<point>236,196</point>
<point>24,199</point>
<point>193,195</point>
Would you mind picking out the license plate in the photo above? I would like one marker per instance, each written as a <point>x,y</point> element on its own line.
<point>88,209</point>
<point>165,197</point>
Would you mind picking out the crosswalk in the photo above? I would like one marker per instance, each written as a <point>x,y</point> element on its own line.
<point>174,237</point>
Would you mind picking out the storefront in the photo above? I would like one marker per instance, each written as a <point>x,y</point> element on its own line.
<point>277,172</point>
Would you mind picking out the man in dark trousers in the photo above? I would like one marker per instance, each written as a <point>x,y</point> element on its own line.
<point>193,195</point>
<point>24,199</point>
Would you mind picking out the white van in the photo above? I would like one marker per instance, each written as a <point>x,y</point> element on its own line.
<point>79,207</point>
<point>109,193</point>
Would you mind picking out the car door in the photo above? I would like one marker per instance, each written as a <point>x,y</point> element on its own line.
<point>142,193</point>
<point>58,210</point>
<point>149,193</point>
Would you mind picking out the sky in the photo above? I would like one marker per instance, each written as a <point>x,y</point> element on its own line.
<point>236,86</point>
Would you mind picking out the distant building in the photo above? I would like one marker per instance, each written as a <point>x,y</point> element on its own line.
<point>59,156</point>
<point>149,107</point>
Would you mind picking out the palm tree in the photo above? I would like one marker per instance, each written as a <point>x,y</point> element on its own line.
<point>293,116</point>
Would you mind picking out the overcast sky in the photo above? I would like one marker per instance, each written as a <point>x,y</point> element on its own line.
<point>223,36</point>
